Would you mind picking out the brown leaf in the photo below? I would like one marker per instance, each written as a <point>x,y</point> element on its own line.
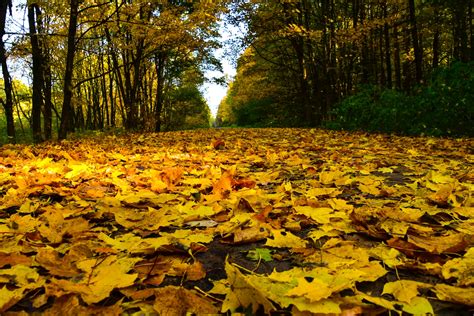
<point>56,265</point>
<point>218,144</point>
<point>12,259</point>
<point>172,300</point>
<point>450,243</point>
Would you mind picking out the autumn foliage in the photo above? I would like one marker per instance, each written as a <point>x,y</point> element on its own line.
<point>295,221</point>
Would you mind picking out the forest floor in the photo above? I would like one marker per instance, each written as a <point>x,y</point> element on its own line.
<point>283,221</point>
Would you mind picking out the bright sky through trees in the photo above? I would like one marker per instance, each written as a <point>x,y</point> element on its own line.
<point>214,93</point>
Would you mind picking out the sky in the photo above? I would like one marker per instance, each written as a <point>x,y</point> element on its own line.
<point>214,93</point>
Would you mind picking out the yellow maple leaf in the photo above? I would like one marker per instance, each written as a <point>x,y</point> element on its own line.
<point>395,227</point>
<point>243,293</point>
<point>78,170</point>
<point>186,237</point>
<point>102,276</point>
<point>157,185</point>
<point>369,189</point>
<point>340,205</point>
<point>455,294</point>
<point>8,298</point>
<point>311,288</point>
<point>461,268</point>
<point>321,215</point>
<point>285,239</point>
<point>332,192</point>
<point>419,306</point>
<point>5,177</point>
<point>329,177</point>
<point>390,256</point>
<point>192,212</point>
<point>404,290</point>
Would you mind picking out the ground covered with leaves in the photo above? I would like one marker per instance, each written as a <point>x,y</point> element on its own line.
<point>287,221</point>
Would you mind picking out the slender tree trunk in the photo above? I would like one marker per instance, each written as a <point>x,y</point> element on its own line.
<point>46,72</point>
<point>67,110</point>
<point>160,71</point>
<point>111,92</point>
<point>388,60</point>
<point>416,43</point>
<point>118,80</point>
<point>364,58</point>
<point>471,29</point>
<point>408,78</point>
<point>396,58</point>
<point>436,36</point>
<point>103,85</point>
<point>38,75</point>
<point>461,52</point>
<point>8,102</point>
<point>48,103</point>
<point>383,74</point>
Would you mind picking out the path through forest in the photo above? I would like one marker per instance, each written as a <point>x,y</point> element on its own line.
<point>226,220</point>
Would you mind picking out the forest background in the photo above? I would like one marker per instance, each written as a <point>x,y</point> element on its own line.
<point>402,66</point>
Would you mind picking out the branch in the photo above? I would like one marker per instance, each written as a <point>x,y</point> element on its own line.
<point>93,6</point>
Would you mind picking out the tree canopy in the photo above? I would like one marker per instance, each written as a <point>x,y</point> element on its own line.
<point>125,63</point>
<point>310,55</point>
<point>102,64</point>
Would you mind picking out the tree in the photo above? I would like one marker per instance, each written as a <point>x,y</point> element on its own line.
<point>66,114</point>
<point>7,104</point>
<point>38,73</point>
<point>327,49</point>
<point>416,44</point>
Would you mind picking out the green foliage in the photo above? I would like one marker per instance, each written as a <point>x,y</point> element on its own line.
<point>443,107</point>
<point>21,111</point>
<point>188,110</point>
<point>256,97</point>
<point>255,113</point>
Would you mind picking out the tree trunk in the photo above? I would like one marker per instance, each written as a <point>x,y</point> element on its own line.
<point>461,52</point>
<point>47,85</point>
<point>67,110</point>
<point>111,92</point>
<point>416,43</point>
<point>388,61</point>
<point>8,103</point>
<point>396,58</point>
<point>38,75</point>
<point>471,30</point>
<point>160,68</point>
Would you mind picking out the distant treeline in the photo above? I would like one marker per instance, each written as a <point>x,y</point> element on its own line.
<point>393,66</point>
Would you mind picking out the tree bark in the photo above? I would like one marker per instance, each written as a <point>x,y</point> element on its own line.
<point>38,76</point>
<point>471,30</point>
<point>388,61</point>
<point>8,102</point>
<point>396,58</point>
<point>67,109</point>
<point>160,68</point>
<point>416,43</point>
<point>461,51</point>
<point>46,70</point>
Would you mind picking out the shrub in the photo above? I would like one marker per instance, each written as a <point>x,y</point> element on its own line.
<point>444,107</point>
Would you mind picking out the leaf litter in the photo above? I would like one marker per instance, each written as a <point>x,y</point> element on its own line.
<point>283,221</point>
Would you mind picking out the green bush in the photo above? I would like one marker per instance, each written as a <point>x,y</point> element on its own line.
<point>444,107</point>
<point>255,113</point>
